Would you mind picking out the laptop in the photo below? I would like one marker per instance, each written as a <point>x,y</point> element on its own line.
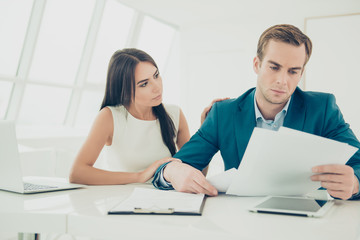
<point>11,178</point>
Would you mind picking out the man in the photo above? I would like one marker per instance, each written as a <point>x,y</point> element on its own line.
<point>283,51</point>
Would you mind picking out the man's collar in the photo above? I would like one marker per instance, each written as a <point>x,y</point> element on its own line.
<point>258,113</point>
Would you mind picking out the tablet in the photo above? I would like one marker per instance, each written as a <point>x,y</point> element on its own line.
<point>300,206</point>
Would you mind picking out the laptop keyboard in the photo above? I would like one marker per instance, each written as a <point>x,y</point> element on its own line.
<point>34,187</point>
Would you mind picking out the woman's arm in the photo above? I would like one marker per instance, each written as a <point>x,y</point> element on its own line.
<point>101,133</point>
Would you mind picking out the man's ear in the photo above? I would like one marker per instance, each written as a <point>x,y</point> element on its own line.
<point>256,64</point>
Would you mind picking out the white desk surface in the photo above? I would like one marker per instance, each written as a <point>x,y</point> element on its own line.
<point>83,212</point>
<point>224,217</point>
<point>42,212</point>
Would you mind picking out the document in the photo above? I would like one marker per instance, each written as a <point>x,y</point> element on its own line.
<point>280,162</point>
<point>223,180</point>
<point>153,201</point>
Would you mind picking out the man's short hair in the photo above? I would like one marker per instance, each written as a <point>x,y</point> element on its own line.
<point>284,33</point>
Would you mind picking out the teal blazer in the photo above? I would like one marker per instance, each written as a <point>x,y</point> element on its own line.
<point>230,123</point>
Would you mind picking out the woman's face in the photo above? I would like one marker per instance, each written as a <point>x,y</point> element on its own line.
<point>148,85</point>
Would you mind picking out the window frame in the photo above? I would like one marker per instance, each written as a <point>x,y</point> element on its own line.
<point>79,86</point>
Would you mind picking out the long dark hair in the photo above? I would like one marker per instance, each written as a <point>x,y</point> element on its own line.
<point>120,89</point>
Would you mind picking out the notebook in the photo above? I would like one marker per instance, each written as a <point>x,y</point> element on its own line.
<point>11,178</point>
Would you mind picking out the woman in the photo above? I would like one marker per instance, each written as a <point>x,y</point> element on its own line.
<point>139,132</point>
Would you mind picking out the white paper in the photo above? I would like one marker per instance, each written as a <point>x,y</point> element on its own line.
<point>158,200</point>
<point>319,195</point>
<point>280,162</point>
<point>223,180</point>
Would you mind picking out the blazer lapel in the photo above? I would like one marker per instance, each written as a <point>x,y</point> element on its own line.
<point>295,117</point>
<point>244,123</point>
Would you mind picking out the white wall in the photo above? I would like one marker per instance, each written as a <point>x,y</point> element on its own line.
<point>335,63</point>
<point>216,56</point>
<point>216,61</point>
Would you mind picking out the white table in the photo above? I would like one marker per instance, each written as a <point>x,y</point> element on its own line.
<point>83,212</point>
<point>224,217</point>
<point>37,213</point>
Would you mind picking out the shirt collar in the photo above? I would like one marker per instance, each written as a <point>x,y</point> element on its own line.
<point>259,115</point>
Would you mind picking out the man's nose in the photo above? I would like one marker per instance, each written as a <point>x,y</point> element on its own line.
<point>282,78</point>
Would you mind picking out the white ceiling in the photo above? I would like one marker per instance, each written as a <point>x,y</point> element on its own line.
<point>187,12</point>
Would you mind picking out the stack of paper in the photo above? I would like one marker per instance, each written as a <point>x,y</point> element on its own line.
<point>280,162</point>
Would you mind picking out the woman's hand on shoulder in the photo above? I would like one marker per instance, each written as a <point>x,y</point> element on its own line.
<point>149,172</point>
<point>208,108</point>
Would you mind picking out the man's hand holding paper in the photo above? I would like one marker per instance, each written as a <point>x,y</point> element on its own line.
<point>338,179</point>
<point>269,168</point>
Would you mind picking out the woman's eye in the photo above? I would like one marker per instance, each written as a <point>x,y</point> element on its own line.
<point>144,84</point>
<point>156,75</point>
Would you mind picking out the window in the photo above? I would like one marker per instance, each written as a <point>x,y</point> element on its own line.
<point>89,107</point>
<point>13,23</point>
<point>44,105</point>
<point>61,40</point>
<point>5,91</point>
<point>113,34</point>
<point>156,39</point>
<point>55,56</point>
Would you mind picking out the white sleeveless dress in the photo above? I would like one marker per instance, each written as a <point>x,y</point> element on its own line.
<point>136,143</point>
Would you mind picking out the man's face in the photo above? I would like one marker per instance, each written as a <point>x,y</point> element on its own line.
<point>279,72</point>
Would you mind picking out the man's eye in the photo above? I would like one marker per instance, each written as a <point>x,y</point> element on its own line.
<point>274,68</point>
<point>293,72</point>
